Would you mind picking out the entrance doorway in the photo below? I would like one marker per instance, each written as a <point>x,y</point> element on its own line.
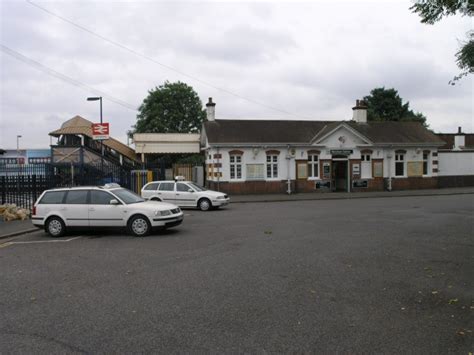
<point>340,175</point>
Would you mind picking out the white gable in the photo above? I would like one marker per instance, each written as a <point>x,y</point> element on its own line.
<point>342,137</point>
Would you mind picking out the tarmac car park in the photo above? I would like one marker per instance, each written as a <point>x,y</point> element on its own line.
<point>184,194</point>
<point>109,206</point>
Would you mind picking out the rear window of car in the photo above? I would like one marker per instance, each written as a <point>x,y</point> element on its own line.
<point>152,186</point>
<point>53,197</point>
<point>167,186</point>
<point>77,197</point>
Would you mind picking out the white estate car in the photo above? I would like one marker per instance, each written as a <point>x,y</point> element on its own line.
<point>107,206</point>
<point>184,194</point>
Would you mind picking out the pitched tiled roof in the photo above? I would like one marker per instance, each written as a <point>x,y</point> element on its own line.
<point>262,131</point>
<point>79,125</point>
<point>396,132</point>
<point>265,131</point>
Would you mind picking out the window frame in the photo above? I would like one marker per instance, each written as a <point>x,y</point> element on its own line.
<point>366,162</point>
<point>235,166</point>
<point>427,162</point>
<point>273,165</point>
<point>311,164</point>
<point>400,159</point>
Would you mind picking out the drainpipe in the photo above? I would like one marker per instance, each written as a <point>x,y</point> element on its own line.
<point>288,158</point>
<point>219,173</point>
<point>389,157</point>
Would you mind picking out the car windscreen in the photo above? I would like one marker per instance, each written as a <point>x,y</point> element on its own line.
<point>127,196</point>
<point>197,187</point>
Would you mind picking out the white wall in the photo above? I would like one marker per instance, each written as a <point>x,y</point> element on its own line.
<point>455,163</point>
<point>249,157</point>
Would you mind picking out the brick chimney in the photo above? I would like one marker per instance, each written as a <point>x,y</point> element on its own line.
<point>359,112</point>
<point>211,110</point>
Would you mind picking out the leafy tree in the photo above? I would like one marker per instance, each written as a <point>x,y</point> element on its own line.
<point>170,108</point>
<point>386,105</point>
<point>432,11</point>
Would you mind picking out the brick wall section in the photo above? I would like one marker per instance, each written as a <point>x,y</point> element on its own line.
<point>251,187</point>
<point>456,181</point>
<point>414,183</point>
<point>376,184</point>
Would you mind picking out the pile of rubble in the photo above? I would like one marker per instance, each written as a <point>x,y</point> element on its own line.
<point>11,212</point>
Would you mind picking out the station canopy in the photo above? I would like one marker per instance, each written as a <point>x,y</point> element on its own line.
<point>166,143</point>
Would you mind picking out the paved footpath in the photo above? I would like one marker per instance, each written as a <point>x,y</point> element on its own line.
<point>13,228</point>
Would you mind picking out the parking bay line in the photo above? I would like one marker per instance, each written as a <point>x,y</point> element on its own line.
<point>4,245</point>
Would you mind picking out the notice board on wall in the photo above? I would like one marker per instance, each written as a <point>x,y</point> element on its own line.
<point>378,169</point>
<point>415,168</point>
<point>302,170</point>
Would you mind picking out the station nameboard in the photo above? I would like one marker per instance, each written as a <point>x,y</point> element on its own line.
<point>341,151</point>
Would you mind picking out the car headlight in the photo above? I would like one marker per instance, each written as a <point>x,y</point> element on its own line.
<point>162,213</point>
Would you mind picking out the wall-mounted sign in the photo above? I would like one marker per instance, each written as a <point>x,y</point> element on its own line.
<point>360,183</point>
<point>345,152</point>
<point>327,170</point>
<point>100,131</point>
<point>355,169</point>
<point>323,185</point>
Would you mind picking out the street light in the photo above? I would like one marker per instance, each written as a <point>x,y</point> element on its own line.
<point>99,98</point>
<point>18,146</point>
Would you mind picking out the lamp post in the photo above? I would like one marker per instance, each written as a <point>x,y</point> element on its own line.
<point>18,148</point>
<point>99,98</point>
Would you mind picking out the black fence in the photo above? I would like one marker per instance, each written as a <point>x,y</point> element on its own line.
<point>23,184</point>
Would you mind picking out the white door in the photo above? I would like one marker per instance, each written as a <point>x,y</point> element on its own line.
<point>102,213</point>
<point>183,196</point>
<point>166,192</point>
<point>75,208</point>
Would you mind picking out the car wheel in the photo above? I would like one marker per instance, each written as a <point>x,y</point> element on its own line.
<point>139,226</point>
<point>55,227</point>
<point>156,199</point>
<point>204,204</point>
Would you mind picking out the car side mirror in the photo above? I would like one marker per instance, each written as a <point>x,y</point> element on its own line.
<point>190,190</point>
<point>114,202</point>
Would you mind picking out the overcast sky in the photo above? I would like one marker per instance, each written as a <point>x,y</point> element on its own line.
<point>311,59</point>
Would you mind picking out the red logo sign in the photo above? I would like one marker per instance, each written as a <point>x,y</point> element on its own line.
<point>100,130</point>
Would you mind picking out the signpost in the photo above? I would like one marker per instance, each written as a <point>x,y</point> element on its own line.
<point>100,131</point>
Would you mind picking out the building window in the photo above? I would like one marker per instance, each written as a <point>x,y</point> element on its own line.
<point>399,164</point>
<point>313,166</point>
<point>366,166</point>
<point>42,160</point>
<point>425,163</point>
<point>235,167</point>
<point>8,161</point>
<point>272,166</point>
